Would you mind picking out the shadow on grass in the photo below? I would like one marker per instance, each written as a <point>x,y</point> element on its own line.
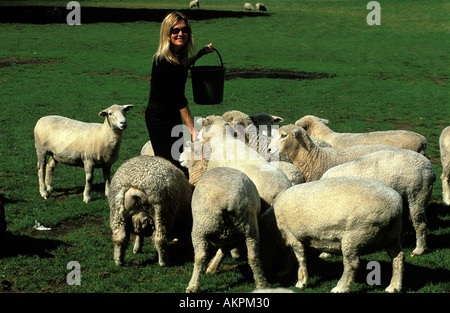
<point>15,245</point>
<point>56,14</point>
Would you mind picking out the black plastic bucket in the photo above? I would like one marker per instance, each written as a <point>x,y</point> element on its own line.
<point>208,82</point>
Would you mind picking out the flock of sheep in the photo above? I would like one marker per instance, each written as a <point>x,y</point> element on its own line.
<point>247,6</point>
<point>277,192</point>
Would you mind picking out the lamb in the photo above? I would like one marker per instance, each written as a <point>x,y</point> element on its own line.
<point>409,173</point>
<point>312,160</point>
<point>146,191</point>
<point>444,146</point>
<point>76,143</point>
<point>260,7</point>
<point>226,151</point>
<point>403,139</point>
<point>225,210</point>
<point>347,215</point>
<point>194,4</point>
<point>248,7</point>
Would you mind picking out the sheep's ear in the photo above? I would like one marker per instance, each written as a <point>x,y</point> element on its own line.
<point>302,137</point>
<point>325,121</point>
<point>277,119</point>
<point>128,107</point>
<point>103,113</point>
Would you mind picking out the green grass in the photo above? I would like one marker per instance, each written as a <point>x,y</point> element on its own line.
<point>393,76</point>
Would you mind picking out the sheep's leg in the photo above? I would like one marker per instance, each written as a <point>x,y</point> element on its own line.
<point>420,226</point>
<point>299,251</point>
<point>51,164</point>
<point>398,257</point>
<point>160,236</point>
<point>89,171</point>
<point>107,178</point>
<point>41,164</point>
<point>120,239</point>
<point>138,243</point>
<point>200,248</point>
<point>215,262</point>
<point>255,262</point>
<point>351,264</point>
<point>445,189</point>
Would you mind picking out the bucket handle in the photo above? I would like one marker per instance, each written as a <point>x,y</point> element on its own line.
<point>221,62</point>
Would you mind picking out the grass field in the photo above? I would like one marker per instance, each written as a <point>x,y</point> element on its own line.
<point>391,76</point>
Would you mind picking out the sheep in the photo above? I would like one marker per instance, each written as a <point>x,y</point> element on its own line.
<point>403,139</point>
<point>194,4</point>
<point>347,215</point>
<point>76,143</point>
<point>248,7</point>
<point>225,210</point>
<point>147,149</point>
<point>260,7</point>
<point>226,151</point>
<point>148,190</point>
<point>312,160</point>
<point>444,146</point>
<point>409,173</point>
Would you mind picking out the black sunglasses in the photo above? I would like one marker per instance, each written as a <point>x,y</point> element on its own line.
<point>176,31</point>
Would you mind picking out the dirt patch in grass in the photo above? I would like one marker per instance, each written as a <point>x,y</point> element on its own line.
<point>11,61</point>
<point>70,225</point>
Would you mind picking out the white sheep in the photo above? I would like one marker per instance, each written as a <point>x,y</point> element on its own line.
<point>76,143</point>
<point>226,151</point>
<point>345,215</point>
<point>403,139</point>
<point>260,7</point>
<point>444,145</point>
<point>409,173</point>
<point>225,210</point>
<point>149,191</point>
<point>248,7</point>
<point>312,160</point>
<point>194,4</point>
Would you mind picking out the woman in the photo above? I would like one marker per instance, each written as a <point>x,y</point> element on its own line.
<point>167,99</point>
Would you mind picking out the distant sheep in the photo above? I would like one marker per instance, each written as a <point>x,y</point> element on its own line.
<point>444,145</point>
<point>403,139</point>
<point>249,7</point>
<point>312,160</point>
<point>149,192</point>
<point>409,173</point>
<point>77,143</point>
<point>194,4</point>
<point>260,7</point>
<point>343,215</point>
<point>225,210</point>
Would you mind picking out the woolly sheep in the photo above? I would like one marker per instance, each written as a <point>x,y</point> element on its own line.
<point>76,143</point>
<point>409,173</point>
<point>226,151</point>
<point>248,7</point>
<point>347,215</point>
<point>444,145</point>
<point>194,4</point>
<point>312,160</point>
<point>260,7</point>
<point>403,139</point>
<point>225,210</point>
<point>152,188</point>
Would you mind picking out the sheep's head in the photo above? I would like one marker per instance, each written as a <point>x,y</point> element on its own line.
<point>290,140</point>
<point>312,124</point>
<point>115,116</point>
<point>214,126</point>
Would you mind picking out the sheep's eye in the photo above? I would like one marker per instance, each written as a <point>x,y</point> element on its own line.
<point>110,114</point>
<point>283,135</point>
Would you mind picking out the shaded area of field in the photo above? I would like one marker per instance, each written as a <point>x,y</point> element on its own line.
<point>58,14</point>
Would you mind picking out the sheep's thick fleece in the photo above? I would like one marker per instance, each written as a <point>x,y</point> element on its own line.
<point>225,210</point>
<point>342,215</point>
<point>409,173</point>
<point>444,145</point>
<point>155,188</point>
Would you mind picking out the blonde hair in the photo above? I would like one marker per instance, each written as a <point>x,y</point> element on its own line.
<point>164,50</point>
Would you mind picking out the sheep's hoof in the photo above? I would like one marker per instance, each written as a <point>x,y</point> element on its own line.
<point>44,197</point>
